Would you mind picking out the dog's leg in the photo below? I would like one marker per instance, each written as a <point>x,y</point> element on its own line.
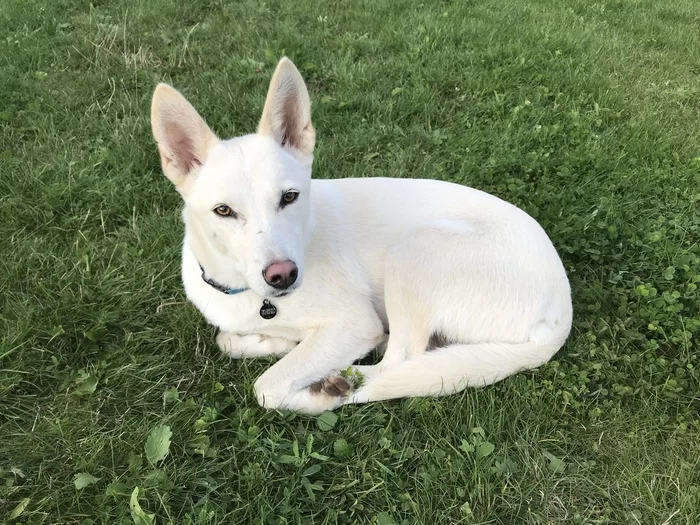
<point>409,319</point>
<point>252,345</point>
<point>408,302</point>
<point>306,380</point>
<point>497,315</point>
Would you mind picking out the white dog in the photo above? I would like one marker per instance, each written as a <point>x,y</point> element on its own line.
<point>320,271</point>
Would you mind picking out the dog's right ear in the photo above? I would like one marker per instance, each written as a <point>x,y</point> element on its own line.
<point>184,139</point>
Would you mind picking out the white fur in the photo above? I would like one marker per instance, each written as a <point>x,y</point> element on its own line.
<point>417,258</point>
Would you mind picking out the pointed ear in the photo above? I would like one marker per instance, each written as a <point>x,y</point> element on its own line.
<point>287,112</point>
<point>183,138</point>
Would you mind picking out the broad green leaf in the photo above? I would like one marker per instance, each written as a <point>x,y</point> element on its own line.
<point>88,386</point>
<point>83,479</point>
<point>479,431</point>
<point>309,488</point>
<point>19,509</point>
<point>327,421</point>
<point>669,273</point>
<point>313,469</point>
<point>158,443</point>
<point>116,489</point>
<point>170,395</point>
<point>555,464</point>
<point>384,518</point>
<point>466,447</point>
<point>342,448</point>
<point>309,443</point>
<point>96,335</point>
<point>466,509</point>
<point>137,513</point>
<point>200,444</point>
<point>484,449</point>
<point>135,462</point>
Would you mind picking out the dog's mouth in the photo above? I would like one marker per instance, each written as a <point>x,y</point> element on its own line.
<point>284,293</point>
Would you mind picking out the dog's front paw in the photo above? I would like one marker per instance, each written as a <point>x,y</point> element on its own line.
<point>235,345</point>
<point>252,345</point>
<point>331,386</point>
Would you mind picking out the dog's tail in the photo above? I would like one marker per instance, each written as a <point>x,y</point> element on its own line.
<point>453,368</point>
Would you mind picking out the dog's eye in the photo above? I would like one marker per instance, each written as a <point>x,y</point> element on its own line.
<point>288,198</point>
<point>224,211</point>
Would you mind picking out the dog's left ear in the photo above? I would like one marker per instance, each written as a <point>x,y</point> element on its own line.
<point>287,112</point>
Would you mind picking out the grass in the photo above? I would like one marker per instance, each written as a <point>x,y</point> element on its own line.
<point>584,114</point>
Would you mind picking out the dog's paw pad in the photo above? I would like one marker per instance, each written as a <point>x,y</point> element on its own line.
<point>331,386</point>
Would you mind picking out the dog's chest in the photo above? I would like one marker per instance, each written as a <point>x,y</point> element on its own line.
<point>244,312</point>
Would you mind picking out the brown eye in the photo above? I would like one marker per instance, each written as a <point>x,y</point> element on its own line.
<point>289,197</point>
<point>224,211</point>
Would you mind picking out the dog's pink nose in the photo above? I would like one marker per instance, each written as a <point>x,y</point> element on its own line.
<point>281,274</point>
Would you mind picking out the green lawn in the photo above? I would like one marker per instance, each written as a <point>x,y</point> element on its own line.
<point>585,114</point>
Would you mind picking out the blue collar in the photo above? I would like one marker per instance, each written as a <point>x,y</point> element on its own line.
<point>222,289</point>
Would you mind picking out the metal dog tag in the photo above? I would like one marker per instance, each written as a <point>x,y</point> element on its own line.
<point>268,310</point>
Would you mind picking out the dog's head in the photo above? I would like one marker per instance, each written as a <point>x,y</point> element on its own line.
<point>247,202</point>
